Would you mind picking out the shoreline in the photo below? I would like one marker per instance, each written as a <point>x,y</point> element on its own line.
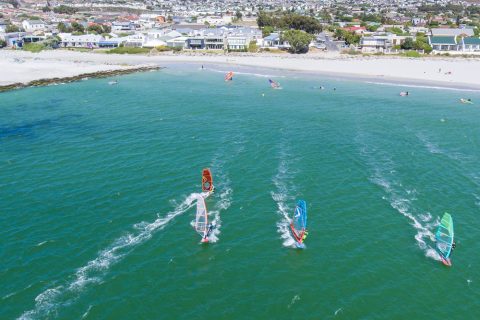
<point>449,73</point>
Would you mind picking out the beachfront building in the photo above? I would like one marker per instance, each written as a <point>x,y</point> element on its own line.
<point>381,42</point>
<point>33,25</point>
<point>14,39</point>
<point>470,44</point>
<point>179,42</point>
<point>238,43</point>
<point>195,43</point>
<point>372,44</point>
<point>214,42</point>
<point>271,41</point>
<point>443,43</point>
<point>83,41</point>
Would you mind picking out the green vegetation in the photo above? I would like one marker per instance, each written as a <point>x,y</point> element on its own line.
<point>252,47</point>
<point>267,30</point>
<point>77,27</point>
<point>34,47</point>
<point>63,28</point>
<point>14,3</point>
<point>352,52</point>
<point>298,40</point>
<point>286,21</point>
<point>412,54</point>
<point>238,15</point>
<point>46,9</point>
<point>437,8</point>
<point>128,50</point>
<point>347,36</point>
<point>163,48</point>
<point>12,28</point>
<point>26,16</point>
<point>65,9</point>
<point>2,43</point>
<point>398,31</point>
<point>99,29</point>
<point>421,43</point>
<point>407,44</point>
<point>48,43</point>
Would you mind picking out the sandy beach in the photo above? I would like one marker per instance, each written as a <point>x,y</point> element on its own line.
<point>23,67</point>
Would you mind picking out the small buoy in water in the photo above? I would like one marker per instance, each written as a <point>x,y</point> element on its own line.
<point>263,94</point>
<point>442,120</point>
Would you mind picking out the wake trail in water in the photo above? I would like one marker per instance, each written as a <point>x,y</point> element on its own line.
<point>434,148</point>
<point>283,196</point>
<point>420,86</point>
<point>260,75</point>
<point>222,184</point>
<point>400,197</point>
<point>467,163</point>
<point>48,302</point>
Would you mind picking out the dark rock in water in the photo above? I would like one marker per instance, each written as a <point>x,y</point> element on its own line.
<point>99,74</point>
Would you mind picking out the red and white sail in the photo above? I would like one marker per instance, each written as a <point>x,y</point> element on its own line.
<point>201,218</point>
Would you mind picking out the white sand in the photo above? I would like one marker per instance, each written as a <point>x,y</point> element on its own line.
<point>62,63</point>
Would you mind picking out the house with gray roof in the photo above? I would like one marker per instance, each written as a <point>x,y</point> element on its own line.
<point>452,32</point>
<point>33,25</point>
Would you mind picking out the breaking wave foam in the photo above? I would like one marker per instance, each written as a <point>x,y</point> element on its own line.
<point>401,198</point>
<point>260,75</point>
<point>48,302</point>
<point>406,85</point>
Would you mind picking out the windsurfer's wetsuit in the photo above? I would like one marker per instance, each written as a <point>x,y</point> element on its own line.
<point>305,234</point>
<point>453,246</point>
<point>210,228</point>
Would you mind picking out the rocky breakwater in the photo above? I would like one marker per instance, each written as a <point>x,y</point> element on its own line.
<point>98,74</point>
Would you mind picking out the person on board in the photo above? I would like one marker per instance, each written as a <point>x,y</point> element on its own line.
<point>210,229</point>
<point>454,245</point>
<point>305,234</point>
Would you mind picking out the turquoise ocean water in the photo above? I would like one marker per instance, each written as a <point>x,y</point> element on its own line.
<point>98,182</point>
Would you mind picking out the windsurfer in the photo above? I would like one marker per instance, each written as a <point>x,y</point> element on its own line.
<point>453,245</point>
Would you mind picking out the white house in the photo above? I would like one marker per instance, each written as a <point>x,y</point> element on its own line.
<point>179,42</point>
<point>84,41</point>
<point>123,26</point>
<point>238,42</point>
<point>215,20</point>
<point>33,25</point>
<point>470,44</point>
